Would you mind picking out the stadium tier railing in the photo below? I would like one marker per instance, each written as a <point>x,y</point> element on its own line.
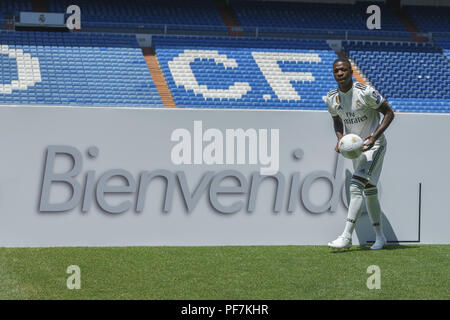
<point>246,31</point>
<point>251,31</point>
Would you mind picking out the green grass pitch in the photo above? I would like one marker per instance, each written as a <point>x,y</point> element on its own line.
<point>247,272</point>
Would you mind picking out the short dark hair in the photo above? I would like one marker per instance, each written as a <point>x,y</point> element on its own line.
<point>343,60</point>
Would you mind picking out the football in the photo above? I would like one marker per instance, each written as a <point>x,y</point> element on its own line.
<point>350,146</point>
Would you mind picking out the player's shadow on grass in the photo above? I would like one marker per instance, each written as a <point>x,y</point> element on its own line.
<point>366,234</point>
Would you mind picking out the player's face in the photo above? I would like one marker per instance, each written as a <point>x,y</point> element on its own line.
<point>342,73</point>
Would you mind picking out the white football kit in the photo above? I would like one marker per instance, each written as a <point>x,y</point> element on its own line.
<point>357,109</point>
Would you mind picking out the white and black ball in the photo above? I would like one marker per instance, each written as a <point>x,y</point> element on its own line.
<point>350,146</point>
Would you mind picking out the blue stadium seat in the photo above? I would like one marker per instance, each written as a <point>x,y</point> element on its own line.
<point>276,14</point>
<point>412,75</point>
<point>74,69</point>
<point>444,44</point>
<point>430,18</point>
<point>208,83</point>
<point>142,13</point>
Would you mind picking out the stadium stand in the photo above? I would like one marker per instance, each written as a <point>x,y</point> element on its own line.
<point>445,45</point>
<point>413,76</point>
<point>14,7</point>
<point>137,13</point>
<point>312,16</point>
<point>222,72</point>
<point>88,68</point>
<point>74,69</point>
<point>430,19</point>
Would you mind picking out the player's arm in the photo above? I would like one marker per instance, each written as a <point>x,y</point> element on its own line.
<point>338,129</point>
<point>337,121</point>
<point>388,114</point>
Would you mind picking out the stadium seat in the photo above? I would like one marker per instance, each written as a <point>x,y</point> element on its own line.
<point>430,18</point>
<point>74,68</point>
<point>406,73</point>
<point>329,16</point>
<point>142,13</point>
<point>222,72</point>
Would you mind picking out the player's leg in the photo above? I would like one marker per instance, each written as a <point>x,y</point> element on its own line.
<point>367,171</point>
<point>357,185</point>
<point>374,211</point>
<point>373,208</point>
<point>371,196</point>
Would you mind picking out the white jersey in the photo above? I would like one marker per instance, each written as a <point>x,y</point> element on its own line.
<point>357,108</point>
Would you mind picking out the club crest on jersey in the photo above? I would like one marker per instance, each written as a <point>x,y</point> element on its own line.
<point>376,96</point>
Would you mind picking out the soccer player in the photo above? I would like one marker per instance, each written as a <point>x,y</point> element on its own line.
<point>357,107</point>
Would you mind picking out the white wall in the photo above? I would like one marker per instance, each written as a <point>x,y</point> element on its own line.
<point>138,139</point>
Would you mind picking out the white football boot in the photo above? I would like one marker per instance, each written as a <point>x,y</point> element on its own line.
<point>341,242</point>
<point>379,243</point>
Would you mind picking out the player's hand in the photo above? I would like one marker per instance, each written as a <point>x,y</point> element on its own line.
<point>368,143</point>
<point>337,146</point>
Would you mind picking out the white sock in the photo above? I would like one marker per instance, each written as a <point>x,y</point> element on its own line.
<point>354,207</point>
<point>374,209</point>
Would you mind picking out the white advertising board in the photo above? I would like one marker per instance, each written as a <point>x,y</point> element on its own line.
<point>78,176</point>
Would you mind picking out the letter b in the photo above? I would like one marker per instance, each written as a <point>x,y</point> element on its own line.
<point>67,178</point>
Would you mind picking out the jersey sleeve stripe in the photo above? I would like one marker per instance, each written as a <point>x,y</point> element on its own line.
<point>332,92</point>
<point>360,86</point>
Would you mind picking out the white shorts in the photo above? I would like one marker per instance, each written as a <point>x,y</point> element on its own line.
<point>369,164</point>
